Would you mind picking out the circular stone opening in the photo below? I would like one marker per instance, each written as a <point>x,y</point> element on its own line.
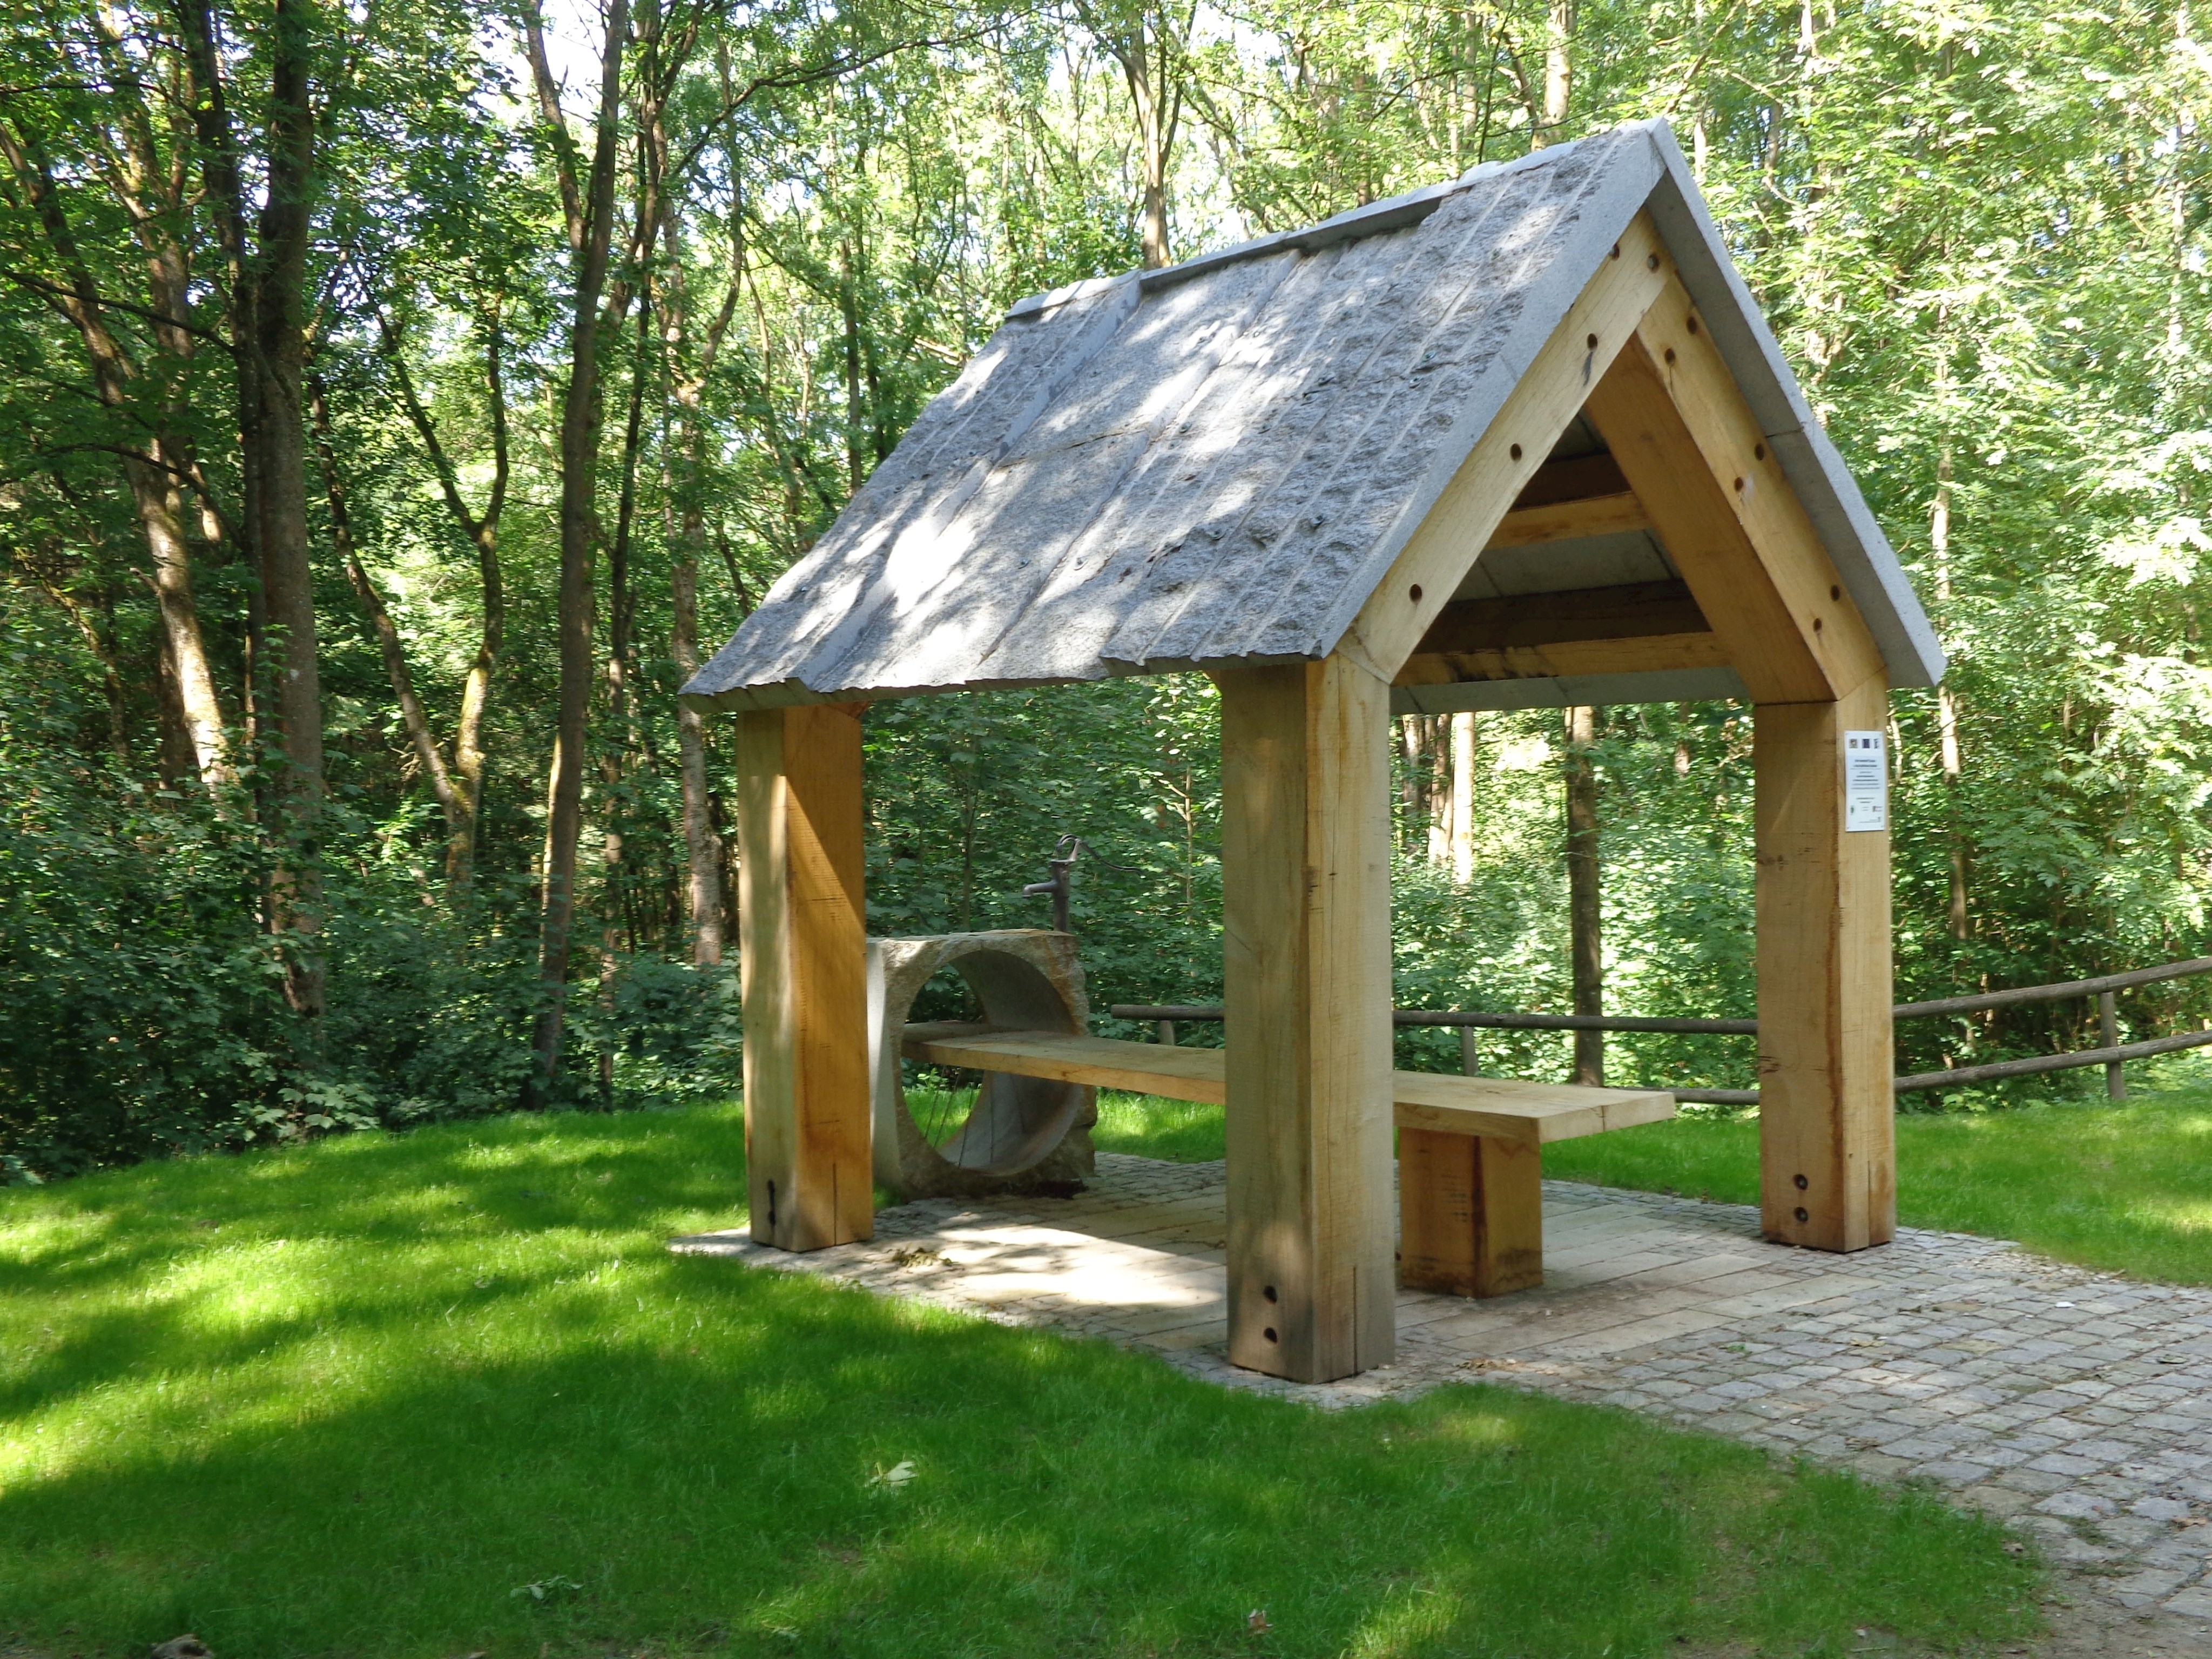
<point>988,1123</point>
<point>940,1099</point>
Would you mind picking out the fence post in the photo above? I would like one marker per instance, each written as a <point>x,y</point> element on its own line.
<point>1165,1031</point>
<point>2108,1025</point>
<point>1470,1051</point>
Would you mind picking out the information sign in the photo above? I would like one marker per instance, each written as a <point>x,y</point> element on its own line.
<point>1866,781</point>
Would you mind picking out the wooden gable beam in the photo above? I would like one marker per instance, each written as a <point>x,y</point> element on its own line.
<point>1437,555</point>
<point>1636,628</point>
<point>1627,612</point>
<point>1585,496</point>
<point>1695,456</point>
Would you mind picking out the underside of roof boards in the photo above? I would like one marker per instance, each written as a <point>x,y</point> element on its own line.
<point>1216,464</point>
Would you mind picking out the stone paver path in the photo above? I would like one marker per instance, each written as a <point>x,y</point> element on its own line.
<point>2077,1404</point>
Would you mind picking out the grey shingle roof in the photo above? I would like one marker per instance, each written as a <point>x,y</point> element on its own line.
<point>1216,462</point>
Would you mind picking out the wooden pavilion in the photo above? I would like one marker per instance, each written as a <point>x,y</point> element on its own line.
<point>1519,440</point>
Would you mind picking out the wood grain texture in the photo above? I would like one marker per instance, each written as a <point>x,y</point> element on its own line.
<point>1577,478</point>
<point>1627,611</point>
<point>1505,1108</point>
<point>803,977</point>
<point>1470,1214</point>
<point>1720,503</point>
<point>1502,1107</point>
<point>1828,1161</point>
<point>1306,960</point>
<point>1641,654</point>
<point>1173,1072</point>
<point>1562,521</point>
<point>1436,557</point>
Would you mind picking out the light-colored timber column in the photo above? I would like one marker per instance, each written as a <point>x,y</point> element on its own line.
<point>1827,1160</point>
<point>803,928</point>
<point>1305,877</point>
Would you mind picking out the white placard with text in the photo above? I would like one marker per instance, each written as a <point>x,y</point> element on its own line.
<point>1866,781</point>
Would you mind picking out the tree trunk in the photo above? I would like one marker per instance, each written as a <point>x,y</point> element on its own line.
<point>1462,798</point>
<point>1156,137</point>
<point>1439,788</point>
<point>1558,74</point>
<point>160,514</point>
<point>1149,48</point>
<point>287,573</point>
<point>219,180</point>
<point>701,846</point>
<point>156,494</point>
<point>482,533</point>
<point>689,362</point>
<point>1957,921</point>
<point>579,454</point>
<point>848,303</point>
<point>475,688</point>
<point>1412,774</point>
<point>178,765</point>
<point>614,898</point>
<point>415,723</point>
<point>1584,916</point>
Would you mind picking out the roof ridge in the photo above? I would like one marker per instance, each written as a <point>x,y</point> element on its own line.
<point>1370,218</point>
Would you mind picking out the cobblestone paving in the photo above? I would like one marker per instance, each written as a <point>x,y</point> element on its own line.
<point>2076,1404</point>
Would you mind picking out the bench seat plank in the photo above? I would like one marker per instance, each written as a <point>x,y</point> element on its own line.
<point>1508,1108</point>
<point>1504,1108</point>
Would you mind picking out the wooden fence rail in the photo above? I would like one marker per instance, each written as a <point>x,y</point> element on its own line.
<point>2112,1056</point>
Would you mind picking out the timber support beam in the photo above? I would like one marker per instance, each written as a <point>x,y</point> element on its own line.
<point>808,1149</point>
<point>1826,1123</point>
<point>1305,863</point>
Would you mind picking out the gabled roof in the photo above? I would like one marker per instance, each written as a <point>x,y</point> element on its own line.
<point>1217,463</point>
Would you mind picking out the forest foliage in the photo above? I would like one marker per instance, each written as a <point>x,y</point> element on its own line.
<point>401,399</point>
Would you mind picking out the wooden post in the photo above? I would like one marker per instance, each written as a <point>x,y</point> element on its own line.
<point>801,920</point>
<point>1306,956</point>
<point>2108,1029</point>
<point>1826,1160</point>
<point>1471,1213</point>
<point>1585,910</point>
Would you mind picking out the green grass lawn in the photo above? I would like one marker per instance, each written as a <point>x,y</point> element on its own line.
<point>356,1399</point>
<point>1151,1127</point>
<point>2125,1188</point>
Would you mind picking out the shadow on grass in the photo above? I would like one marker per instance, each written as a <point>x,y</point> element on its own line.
<point>469,1368</point>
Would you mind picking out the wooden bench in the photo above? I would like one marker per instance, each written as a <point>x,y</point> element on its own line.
<point>1470,1209</point>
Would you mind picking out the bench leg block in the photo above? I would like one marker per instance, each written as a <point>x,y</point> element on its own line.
<point>1470,1213</point>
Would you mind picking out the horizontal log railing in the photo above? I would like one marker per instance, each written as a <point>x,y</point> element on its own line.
<point>2112,1056</point>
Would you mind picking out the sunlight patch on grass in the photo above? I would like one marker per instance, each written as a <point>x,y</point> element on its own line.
<point>1481,1431</point>
<point>1412,1618</point>
<point>2187,1216</point>
<point>1150,1126</point>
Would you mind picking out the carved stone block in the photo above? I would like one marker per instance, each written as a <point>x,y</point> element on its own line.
<point>1023,1133</point>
